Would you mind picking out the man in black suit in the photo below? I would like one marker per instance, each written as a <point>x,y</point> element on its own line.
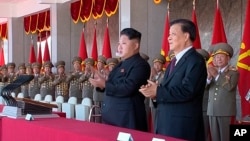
<point>123,104</point>
<point>179,97</point>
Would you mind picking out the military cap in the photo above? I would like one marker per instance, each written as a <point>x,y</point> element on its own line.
<point>3,67</point>
<point>171,55</point>
<point>222,48</point>
<point>144,56</point>
<point>159,58</point>
<point>89,61</point>
<point>48,64</point>
<point>28,65</point>
<point>112,61</point>
<point>36,65</point>
<point>21,66</point>
<point>77,59</point>
<point>101,59</point>
<point>60,64</point>
<point>11,64</point>
<point>203,53</point>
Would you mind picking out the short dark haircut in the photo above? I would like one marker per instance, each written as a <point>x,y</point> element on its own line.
<point>131,33</point>
<point>187,26</point>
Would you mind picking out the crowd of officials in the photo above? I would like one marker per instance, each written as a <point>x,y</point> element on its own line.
<point>186,97</point>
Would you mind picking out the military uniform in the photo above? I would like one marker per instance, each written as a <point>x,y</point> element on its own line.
<point>111,62</point>
<point>205,55</point>
<point>45,81</point>
<point>60,83</point>
<point>3,77</point>
<point>156,77</point>
<point>24,87</point>
<point>222,96</point>
<point>98,95</point>
<point>29,69</point>
<point>74,83</point>
<point>12,76</point>
<point>34,85</point>
<point>87,88</point>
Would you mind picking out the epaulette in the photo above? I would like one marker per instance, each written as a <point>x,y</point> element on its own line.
<point>232,68</point>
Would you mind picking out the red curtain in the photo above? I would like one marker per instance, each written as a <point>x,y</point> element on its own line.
<point>83,9</point>
<point>111,7</point>
<point>3,30</point>
<point>86,8</point>
<point>75,9</point>
<point>98,8</point>
<point>37,23</point>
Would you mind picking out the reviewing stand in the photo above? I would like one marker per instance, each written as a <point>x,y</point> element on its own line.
<point>19,107</point>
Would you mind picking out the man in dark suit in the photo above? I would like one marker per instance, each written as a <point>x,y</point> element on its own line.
<point>123,104</point>
<point>179,97</point>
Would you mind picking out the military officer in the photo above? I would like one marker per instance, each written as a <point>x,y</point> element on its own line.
<point>3,76</point>
<point>222,82</point>
<point>157,74</point>
<point>12,75</point>
<point>205,55</point>
<point>87,88</point>
<point>111,62</point>
<point>29,70</point>
<point>46,81</point>
<point>60,83</point>
<point>73,80</point>
<point>34,85</point>
<point>24,87</point>
<point>98,95</point>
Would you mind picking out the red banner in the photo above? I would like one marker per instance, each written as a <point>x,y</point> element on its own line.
<point>111,7</point>
<point>3,30</point>
<point>75,8</point>
<point>106,50</point>
<point>197,42</point>
<point>37,23</point>
<point>244,65</point>
<point>27,22</point>
<point>98,8</point>
<point>41,21</point>
<point>86,8</point>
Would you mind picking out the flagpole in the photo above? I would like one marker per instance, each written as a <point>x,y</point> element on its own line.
<point>168,8</point>
<point>217,3</point>
<point>193,4</point>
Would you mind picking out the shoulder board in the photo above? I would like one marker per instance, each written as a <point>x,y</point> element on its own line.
<point>232,68</point>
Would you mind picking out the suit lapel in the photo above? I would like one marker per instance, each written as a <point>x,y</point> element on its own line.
<point>179,65</point>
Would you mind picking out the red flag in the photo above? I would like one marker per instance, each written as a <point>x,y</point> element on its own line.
<point>46,55</point>
<point>106,50</point>
<point>165,43</point>
<point>39,54</point>
<point>32,58</point>
<point>94,53</point>
<point>82,49</point>
<point>2,60</point>
<point>197,42</point>
<point>218,32</point>
<point>244,65</point>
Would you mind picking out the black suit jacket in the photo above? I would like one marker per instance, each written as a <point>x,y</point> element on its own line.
<point>179,99</point>
<point>123,104</point>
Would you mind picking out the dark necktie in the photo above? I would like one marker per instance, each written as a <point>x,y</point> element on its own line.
<point>172,65</point>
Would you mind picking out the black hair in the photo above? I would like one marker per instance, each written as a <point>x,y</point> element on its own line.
<point>187,26</point>
<point>131,33</point>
